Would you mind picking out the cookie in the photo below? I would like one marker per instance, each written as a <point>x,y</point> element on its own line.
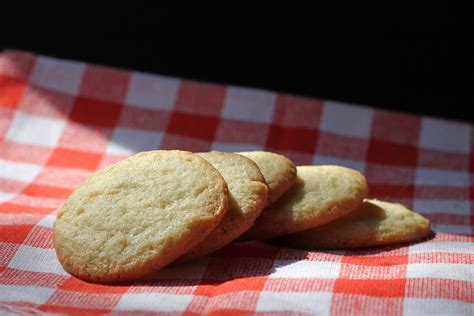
<point>374,223</point>
<point>320,195</point>
<point>278,171</point>
<point>138,215</point>
<point>248,194</point>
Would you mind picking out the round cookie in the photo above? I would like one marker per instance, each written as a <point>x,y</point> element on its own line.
<point>138,215</point>
<point>374,223</point>
<point>278,171</point>
<point>320,195</point>
<point>248,194</point>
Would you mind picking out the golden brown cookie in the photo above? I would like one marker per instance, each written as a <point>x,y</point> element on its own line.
<point>278,171</point>
<point>248,194</point>
<point>138,215</point>
<point>320,195</point>
<point>374,223</point>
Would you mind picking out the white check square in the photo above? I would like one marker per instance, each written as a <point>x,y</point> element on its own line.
<point>441,246</point>
<point>58,75</point>
<point>305,269</point>
<point>463,272</point>
<point>31,129</point>
<point>452,229</point>
<point>346,119</point>
<point>152,91</point>
<point>18,170</point>
<point>460,207</point>
<point>6,196</point>
<point>127,141</point>
<point>47,221</point>
<point>249,104</point>
<point>153,302</point>
<point>31,294</point>
<point>443,178</point>
<point>435,306</point>
<point>444,135</point>
<point>314,303</point>
<point>29,258</point>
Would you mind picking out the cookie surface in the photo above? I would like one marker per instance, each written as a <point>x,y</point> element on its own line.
<point>373,223</point>
<point>319,195</point>
<point>278,171</point>
<point>138,215</point>
<point>247,196</point>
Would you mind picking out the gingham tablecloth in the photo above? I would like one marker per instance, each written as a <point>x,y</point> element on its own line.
<point>61,120</point>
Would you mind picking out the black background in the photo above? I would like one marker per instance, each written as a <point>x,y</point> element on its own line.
<point>408,58</point>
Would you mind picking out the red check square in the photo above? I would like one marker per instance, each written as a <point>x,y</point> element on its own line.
<point>471,162</point>
<point>11,91</point>
<point>69,158</point>
<point>392,191</point>
<point>16,64</point>
<point>200,98</point>
<point>14,208</point>
<point>331,144</point>
<point>376,260</point>
<point>96,113</point>
<point>392,154</point>
<point>104,83</point>
<point>195,126</point>
<point>74,284</point>
<point>394,127</point>
<point>213,288</point>
<point>239,132</point>
<point>46,191</point>
<point>297,111</point>
<point>15,234</point>
<point>292,138</point>
<point>379,288</point>
<point>147,119</point>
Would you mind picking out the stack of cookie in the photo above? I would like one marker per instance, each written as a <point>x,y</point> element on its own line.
<point>157,207</point>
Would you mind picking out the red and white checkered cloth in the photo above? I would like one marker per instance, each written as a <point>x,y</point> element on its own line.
<point>61,120</point>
